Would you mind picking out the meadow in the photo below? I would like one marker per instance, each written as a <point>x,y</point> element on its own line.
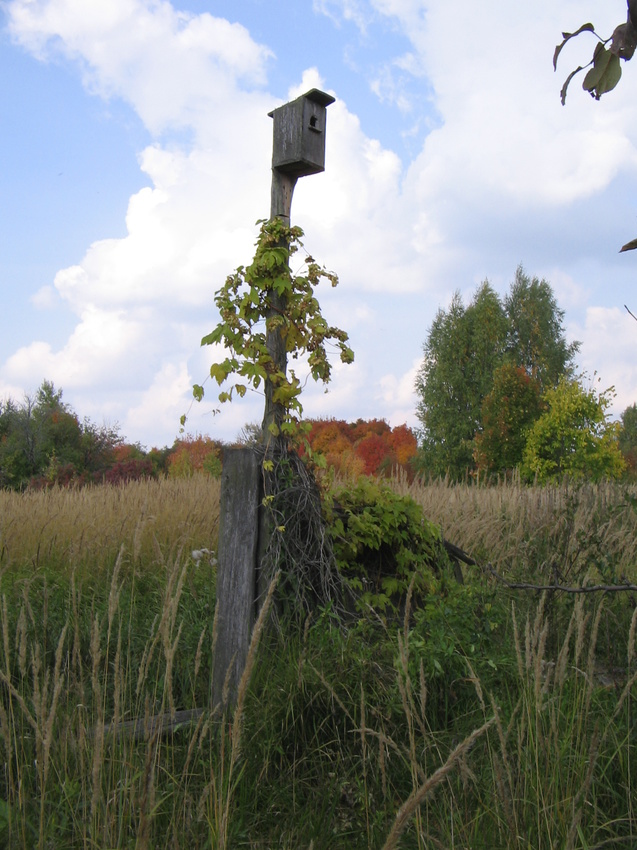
<point>480,717</point>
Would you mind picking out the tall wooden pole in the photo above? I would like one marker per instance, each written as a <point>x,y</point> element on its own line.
<point>244,527</point>
<point>283,185</point>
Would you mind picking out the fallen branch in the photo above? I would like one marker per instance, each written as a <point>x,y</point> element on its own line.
<point>593,588</point>
<point>458,554</point>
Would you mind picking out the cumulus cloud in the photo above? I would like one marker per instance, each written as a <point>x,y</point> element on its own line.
<point>397,394</point>
<point>608,351</point>
<point>170,66</point>
<point>45,298</point>
<point>505,175</point>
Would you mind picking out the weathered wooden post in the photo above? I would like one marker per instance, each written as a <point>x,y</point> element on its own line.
<point>298,150</point>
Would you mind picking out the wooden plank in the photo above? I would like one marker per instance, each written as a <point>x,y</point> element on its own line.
<point>236,568</point>
<point>158,724</point>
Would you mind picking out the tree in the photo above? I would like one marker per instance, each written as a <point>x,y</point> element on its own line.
<point>508,412</point>
<point>43,438</point>
<point>369,447</point>
<point>628,439</point>
<point>463,351</point>
<point>573,437</point>
<point>535,330</point>
<point>17,443</point>
<point>194,454</point>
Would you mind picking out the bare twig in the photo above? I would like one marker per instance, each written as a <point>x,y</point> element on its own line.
<point>593,588</point>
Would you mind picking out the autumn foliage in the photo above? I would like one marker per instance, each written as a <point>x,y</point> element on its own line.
<point>365,447</point>
<point>194,454</point>
<point>508,412</point>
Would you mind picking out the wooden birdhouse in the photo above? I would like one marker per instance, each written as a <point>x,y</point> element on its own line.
<point>299,134</point>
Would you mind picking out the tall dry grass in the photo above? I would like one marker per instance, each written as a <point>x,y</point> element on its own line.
<point>64,525</point>
<point>535,530</point>
<point>77,769</point>
<point>340,741</point>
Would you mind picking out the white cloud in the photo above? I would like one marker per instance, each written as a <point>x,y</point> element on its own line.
<point>398,396</point>
<point>170,66</point>
<point>45,298</point>
<point>504,177</point>
<point>609,337</point>
<point>15,392</point>
<point>160,407</point>
<point>349,10</point>
<point>99,351</point>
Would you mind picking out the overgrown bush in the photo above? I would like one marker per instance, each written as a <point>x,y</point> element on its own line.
<point>381,542</point>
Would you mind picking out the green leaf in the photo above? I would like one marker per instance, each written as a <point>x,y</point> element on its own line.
<point>600,63</point>
<point>197,392</point>
<point>214,336</point>
<point>219,372</point>
<point>610,77</point>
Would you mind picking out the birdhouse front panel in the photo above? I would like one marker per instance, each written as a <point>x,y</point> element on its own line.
<point>299,134</point>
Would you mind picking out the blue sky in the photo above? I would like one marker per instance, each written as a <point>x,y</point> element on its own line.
<point>135,161</point>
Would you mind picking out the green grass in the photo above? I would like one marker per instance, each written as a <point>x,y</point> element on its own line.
<point>365,736</point>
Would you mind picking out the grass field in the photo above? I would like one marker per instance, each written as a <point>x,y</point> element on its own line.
<point>483,718</point>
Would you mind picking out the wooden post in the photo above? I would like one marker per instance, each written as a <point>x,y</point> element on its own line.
<point>244,526</point>
<point>236,568</point>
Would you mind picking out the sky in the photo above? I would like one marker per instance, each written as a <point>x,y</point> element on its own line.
<point>135,159</point>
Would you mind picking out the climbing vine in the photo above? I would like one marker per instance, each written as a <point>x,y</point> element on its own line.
<point>267,299</point>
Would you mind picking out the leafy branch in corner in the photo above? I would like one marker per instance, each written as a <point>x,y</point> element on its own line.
<point>604,68</point>
<point>265,299</point>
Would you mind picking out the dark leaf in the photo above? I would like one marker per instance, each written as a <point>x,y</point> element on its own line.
<point>567,82</point>
<point>629,246</point>
<point>567,36</point>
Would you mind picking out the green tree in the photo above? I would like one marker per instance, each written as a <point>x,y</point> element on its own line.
<point>574,437</point>
<point>17,443</point>
<point>43,438</point>
<point>508,412</point>
<point>628,439</point>
<point>535,331</point>
<point>464,349</point>
<point>97,447</point>
<point>58,434</point>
